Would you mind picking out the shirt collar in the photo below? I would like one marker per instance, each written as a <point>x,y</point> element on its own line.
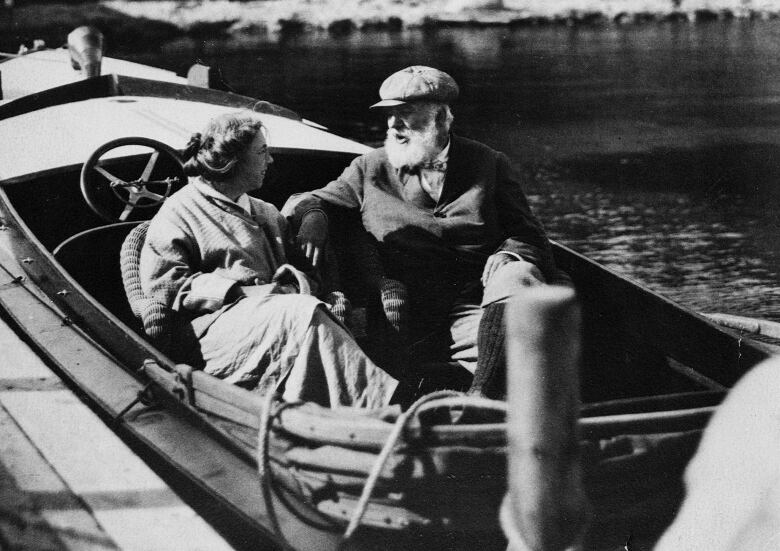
<point>444,154</point>
<point>242,202</point>
<point>443,157</point>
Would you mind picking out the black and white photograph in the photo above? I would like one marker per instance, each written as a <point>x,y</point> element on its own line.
<point>367,275</point>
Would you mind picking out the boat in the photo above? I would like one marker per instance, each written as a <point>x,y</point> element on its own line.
<point>297,476</point>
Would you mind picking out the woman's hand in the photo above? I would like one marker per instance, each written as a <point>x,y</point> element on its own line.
<point>274,288</point>
<point>253,290</point>
<point>312,237</point>
<point>285,289</point>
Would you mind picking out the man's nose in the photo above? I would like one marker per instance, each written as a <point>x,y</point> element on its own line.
<point>394,122</point>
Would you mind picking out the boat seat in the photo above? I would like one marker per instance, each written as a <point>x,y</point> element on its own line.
<point>162,325</point>
<point>91,257</point>
<point>154,315</point>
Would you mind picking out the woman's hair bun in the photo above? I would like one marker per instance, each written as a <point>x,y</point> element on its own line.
<point>192,147</point>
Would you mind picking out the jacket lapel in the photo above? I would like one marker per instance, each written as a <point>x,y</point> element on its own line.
<point>457,170</point>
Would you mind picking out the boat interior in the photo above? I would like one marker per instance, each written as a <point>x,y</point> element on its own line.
<point>621,358</point>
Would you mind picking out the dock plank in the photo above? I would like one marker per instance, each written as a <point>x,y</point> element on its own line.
<point>38,510</point>
<point>72,479</point>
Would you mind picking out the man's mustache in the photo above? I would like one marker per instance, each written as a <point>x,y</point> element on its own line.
<point>397,135</point>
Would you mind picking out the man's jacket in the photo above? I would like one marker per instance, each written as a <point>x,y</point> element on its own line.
<point>482,210</point>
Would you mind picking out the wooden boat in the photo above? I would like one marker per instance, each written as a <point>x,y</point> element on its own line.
<point>273,475</point>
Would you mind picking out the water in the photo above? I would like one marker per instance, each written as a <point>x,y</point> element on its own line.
<point>654,149</point>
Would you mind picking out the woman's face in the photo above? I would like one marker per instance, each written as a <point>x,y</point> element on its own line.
<point>255,161</point>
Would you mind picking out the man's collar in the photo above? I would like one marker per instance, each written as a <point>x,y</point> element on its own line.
<point>444,154</point>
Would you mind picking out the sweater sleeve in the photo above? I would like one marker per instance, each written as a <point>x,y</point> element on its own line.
<point>525,235</point>
<point>166,272</point>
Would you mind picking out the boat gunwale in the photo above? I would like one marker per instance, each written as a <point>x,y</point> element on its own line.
<point>742,353</point>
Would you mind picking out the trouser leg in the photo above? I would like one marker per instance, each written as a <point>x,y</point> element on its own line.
<point>394,321</point>
<point>490,375</point>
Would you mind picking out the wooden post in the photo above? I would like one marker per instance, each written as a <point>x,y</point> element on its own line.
<point>545,508</point>
<point>202,76</point>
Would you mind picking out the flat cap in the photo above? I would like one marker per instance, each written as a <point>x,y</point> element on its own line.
<point>417,83</point>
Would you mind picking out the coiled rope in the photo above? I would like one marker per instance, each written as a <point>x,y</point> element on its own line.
<point>441,398</point>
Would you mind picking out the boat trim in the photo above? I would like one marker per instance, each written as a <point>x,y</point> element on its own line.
<point>120,85</point>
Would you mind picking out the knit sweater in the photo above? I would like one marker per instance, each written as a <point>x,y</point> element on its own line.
<point>200,244</point>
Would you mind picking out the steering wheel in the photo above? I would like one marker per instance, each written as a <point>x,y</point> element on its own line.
<point>111,184</point>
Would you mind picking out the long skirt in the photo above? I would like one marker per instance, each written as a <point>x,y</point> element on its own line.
<point>291,344</point>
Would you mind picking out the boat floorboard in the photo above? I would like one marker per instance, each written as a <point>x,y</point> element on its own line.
<point>68,482</point>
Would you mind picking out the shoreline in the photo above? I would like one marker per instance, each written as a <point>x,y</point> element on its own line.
<point>350,15</point>
<point>157,21</point>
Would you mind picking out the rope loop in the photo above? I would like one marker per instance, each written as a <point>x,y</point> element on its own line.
<point>393,439</point>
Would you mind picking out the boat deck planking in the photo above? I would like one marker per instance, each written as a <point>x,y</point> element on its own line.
<point>19,81</point>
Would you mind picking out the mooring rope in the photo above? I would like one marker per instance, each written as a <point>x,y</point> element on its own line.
<point>376,470</point>
<point>267,416</point>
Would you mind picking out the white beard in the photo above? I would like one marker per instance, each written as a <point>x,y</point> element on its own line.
<point>420,148</point>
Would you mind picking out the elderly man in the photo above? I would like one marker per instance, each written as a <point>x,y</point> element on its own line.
<point>449,221</point>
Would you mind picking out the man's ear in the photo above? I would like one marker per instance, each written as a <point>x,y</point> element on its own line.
<point>444,117</point>
<point>441,115</point>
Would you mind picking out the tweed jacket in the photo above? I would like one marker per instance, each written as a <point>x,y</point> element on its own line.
<point>481,210</point>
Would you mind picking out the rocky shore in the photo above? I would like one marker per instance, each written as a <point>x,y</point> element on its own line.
<point>140,22</point>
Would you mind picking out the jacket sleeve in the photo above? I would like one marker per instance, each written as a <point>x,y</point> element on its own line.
<point>524,234</point>
<point>346,191</point>
<point>166,272</point>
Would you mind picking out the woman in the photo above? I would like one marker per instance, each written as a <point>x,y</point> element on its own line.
<point>220,256</point>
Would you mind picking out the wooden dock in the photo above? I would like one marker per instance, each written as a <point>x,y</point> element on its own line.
<point>68,482</point>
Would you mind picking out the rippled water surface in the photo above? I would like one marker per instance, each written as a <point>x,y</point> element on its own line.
<point>655,149</point>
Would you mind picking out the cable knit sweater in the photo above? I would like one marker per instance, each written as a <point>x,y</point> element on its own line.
<point>200,244</point>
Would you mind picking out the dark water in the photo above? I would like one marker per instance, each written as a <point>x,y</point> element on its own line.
<point>655,149</point>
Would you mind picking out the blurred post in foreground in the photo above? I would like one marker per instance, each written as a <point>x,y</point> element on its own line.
<point>732,484</point>
<point>545,508</point>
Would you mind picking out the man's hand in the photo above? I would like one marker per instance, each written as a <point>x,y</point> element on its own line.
<point>312,237</point>
<point>532,275</point>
